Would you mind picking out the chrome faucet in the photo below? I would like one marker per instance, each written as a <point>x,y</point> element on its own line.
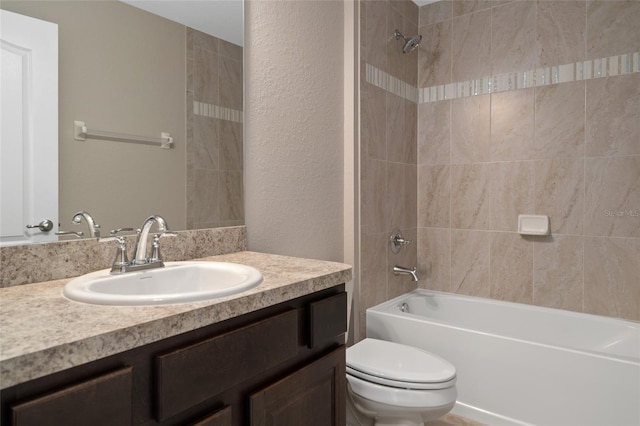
<point>94,228</point>
<point>401,270</point>
<point>140,255</point>
<point>140,261</point>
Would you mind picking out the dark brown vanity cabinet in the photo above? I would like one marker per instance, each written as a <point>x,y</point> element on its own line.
<point>282,365</point>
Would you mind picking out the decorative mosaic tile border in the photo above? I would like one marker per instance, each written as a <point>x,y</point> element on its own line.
<point>586,70</point>
<point>390,83</point>
<point>216,111</point>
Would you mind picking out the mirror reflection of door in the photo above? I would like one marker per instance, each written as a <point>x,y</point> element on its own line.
<point>29,129</point>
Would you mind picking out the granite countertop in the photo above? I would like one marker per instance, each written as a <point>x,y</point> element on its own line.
<point>42,332</point>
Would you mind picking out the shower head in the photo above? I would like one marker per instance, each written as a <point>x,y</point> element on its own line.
<point>409,43</point>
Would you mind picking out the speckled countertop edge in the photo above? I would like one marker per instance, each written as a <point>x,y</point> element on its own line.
<point>42,332</point>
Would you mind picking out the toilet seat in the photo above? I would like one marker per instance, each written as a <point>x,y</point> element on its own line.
<point>399,366</point>
<point>398,397</point>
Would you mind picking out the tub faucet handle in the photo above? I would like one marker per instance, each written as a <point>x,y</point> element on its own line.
<point>398,241</point>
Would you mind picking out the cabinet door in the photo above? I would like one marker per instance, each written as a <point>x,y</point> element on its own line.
<point>219,418</point>
<point>101,401</point>
<point>312,396</point>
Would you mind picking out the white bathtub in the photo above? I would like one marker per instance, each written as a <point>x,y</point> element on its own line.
<point>519,364</point>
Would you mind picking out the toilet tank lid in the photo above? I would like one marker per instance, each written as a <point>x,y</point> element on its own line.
<point>398,362</point>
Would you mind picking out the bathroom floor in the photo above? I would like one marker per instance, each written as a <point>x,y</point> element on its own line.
<point>453,420</point>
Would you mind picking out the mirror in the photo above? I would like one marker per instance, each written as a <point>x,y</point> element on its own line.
<point>142,68</point>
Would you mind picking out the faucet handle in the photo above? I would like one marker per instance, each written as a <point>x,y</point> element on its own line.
<point>78,234</point>
<point>115,232</point>
<point>398,241</point>
<point>155,249</point>
<point>121,261</point>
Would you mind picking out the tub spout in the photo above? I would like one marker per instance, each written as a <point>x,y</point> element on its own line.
<point>401,270</point>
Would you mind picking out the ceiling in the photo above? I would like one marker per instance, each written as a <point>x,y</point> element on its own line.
<point>220,18</point>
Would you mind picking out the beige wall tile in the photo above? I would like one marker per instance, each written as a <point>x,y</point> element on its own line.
<point>512,193</point>
<point>205,76</point>
<point>230,145</point>
<point>408,9</point>
<point>434,55</point>
<point>611,277</point>
<point>373,283</point>
<point>612,196</point>
<point>463,7</point>
<point>561,31</point>
<point>471,46</point>
<point>230,50</point>
<point>613,116</point>
<point>376,37</point>
<point>200,40</point>
<point>402,201</point>
<point>206,204</point>
<point>231,83</point>
<point>364,45</point>
<point>559,121</point>
<point>470,129</point>
<point>435,12</point>
<point>203,152</point>
<point>470,196</point>
<point>612,28</point>
<point>470,262</point>
<point>401,130</point>
<point>434,258</point>
<point>559,193</point>
<point>374,201</point>
<point>513,37</point>
<point>434,141</point>
<point>558,272</point>
<point>410,151</point>
<point>373,116</point>
<point>512,125</point>
<point>231,196</point>
<point>434,196</point>
<point>511,268</point>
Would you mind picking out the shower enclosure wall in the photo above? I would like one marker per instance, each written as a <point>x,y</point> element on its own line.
<point>513,108</point>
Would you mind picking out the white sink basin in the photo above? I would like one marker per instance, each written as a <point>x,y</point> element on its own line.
<point>177,282</point>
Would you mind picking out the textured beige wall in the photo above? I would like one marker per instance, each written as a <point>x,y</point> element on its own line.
<point>294,127</point>
<point>121,70</point>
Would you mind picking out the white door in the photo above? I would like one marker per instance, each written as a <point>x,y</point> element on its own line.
<point>29,129</point>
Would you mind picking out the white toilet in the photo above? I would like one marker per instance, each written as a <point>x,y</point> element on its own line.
<point>394,384</point>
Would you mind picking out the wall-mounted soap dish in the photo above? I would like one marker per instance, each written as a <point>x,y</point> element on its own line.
<point>530,224</point>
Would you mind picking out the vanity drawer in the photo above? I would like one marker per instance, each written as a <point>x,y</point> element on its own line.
<point>196,373</point>
<point>104,400</point>
<point>327,319</point>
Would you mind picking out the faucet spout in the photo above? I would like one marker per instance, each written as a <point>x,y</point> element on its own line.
<point>140,257</point>
<point>94,228</point>
<point>401,270</point>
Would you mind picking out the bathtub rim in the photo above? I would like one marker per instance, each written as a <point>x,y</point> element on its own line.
<point>389,307</point>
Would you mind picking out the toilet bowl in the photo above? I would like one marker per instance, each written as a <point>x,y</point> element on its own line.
<point>394,384</point>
